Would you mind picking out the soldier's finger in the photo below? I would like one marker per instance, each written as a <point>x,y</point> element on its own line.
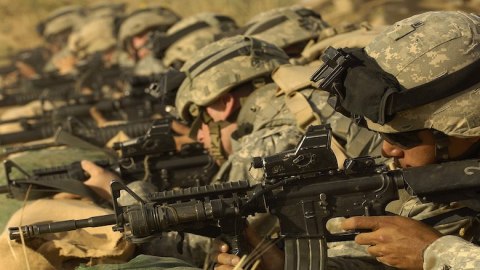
<point>370,239</point>
<point>219,246</point>
<point>353,223</point>
<point>376,250</point>
<point>90,167</point>
<point>180,128</point>
<point>227,259</point>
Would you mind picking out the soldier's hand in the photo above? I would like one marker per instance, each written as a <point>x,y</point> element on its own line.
<point>395,241</point>
<point>99,180</point>
<point>183,132</point>
<point>223,260</point>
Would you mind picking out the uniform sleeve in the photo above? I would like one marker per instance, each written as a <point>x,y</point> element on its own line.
<point>451,252</point>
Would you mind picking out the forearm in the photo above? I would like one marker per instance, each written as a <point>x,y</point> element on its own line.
<point>451,252</point>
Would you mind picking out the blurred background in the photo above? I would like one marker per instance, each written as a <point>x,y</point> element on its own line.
<point>19,18</point>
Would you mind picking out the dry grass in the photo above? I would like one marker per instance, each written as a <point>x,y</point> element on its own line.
<point>17,29</point>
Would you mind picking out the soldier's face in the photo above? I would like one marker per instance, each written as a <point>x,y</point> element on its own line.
<point>420,155</point>
<point>138,45</point>
<point>425,153</point>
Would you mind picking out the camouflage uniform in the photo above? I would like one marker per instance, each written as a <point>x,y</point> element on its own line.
<point>450,252</point>
<point>417,51</point>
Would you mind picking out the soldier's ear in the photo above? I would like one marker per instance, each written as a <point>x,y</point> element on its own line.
<point>223,107</point>
<point>230,105</point>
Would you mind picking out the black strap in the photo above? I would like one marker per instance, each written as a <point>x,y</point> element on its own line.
<point>249,46</point>
<point>262,26</point>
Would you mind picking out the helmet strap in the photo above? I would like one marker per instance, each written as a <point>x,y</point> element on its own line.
<point>216,148</point>
<point>441,146</point>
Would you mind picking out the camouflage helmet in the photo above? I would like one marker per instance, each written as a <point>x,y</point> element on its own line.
<point>222,65</point>
<point>287,26</point>
<point>189,35</point>
<point>95,36</point>
<point>61,20</point>
<point>431,51</point>
<point>144,20</point>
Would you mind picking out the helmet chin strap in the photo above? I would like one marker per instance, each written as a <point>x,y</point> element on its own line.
<point>216,148</point>
<point>441,148</point>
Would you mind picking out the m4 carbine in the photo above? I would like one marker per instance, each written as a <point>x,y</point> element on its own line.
<point>152,158</point>
<point>304,189</point>
<point>95,135</point>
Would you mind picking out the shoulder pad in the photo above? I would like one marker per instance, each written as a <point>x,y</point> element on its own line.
<point>291,78</point>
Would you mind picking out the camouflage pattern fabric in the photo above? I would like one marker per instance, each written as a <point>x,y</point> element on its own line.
<point>421,49</point>
<point>204,85</point>
<point>451,252</point>
<point>62,19</point>
<point>187,45</point>
<point>300,25</point>
<point>97,35</point>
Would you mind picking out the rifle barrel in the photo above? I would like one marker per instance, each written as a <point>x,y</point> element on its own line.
<point>29,231</point>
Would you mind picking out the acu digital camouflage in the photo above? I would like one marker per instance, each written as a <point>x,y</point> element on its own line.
<point>190,36</point>
<point>450,252</point>
<point>288,26</point>
<point>424,48</point>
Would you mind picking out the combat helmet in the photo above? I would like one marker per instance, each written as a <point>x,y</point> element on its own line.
<point>287,27</point>
<point>420,73</point>
<point>142,20</point>
<point>189,35</point>
<point>219,67</point>
<point>61,21</point>
<point>95,36</point>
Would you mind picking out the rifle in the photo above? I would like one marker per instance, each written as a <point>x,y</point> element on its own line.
<point>152,157</point>
<point>147,95</point>
<point>56,87</point>
<point>134,108</point>
<point>303,187</point>
<point>95,135</point>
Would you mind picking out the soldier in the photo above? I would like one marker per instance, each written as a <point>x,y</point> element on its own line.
<point>289,28</point>
<point>439,58</point>
<point>136,33</point>
<point>56,29</point>
<point>427,62</point>
<point>189,35</point>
